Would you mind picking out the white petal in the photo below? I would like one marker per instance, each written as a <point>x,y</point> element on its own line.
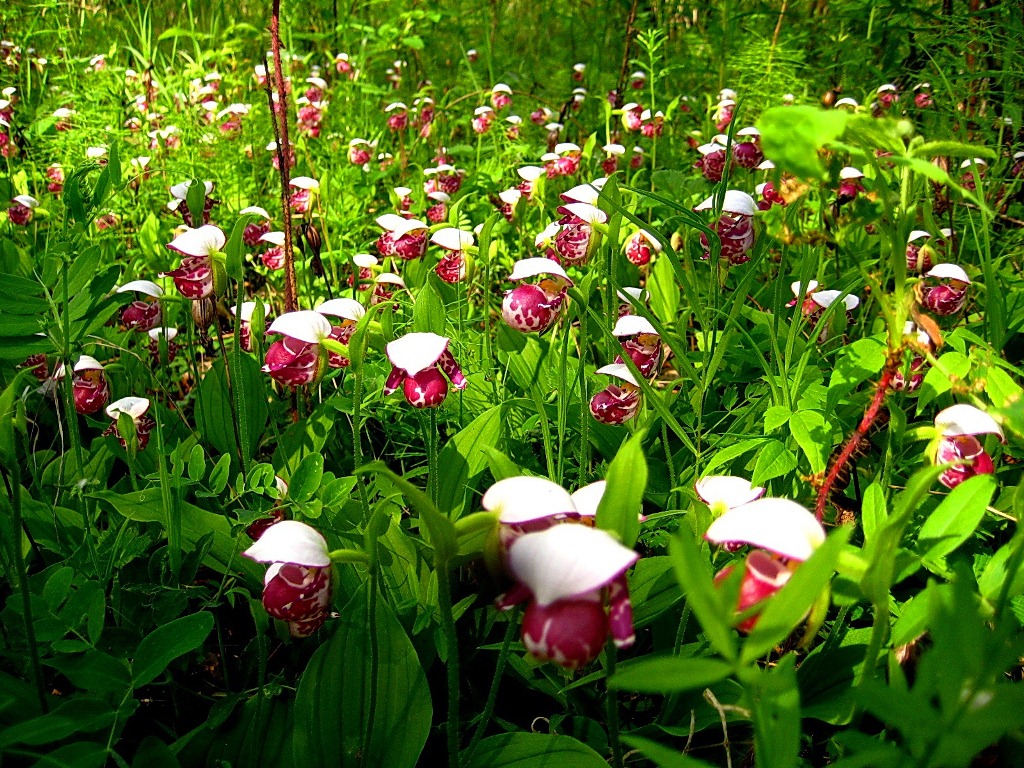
<point>484,110</point>
<point>799,291</point>
<point>290,541</point>
<point>778,525</point>
<point>614,149</point>
<point>133,406</point>
<point>274,238</point>
<point>975,161</point>
<point>850,173</point>
<point>510,196</point>
<point>247,309</point>
<point>416,352</point>
<point>589,213</point>
<point>402,191</point>
<point>256,210</point>
<point>156,333</point>
<point>546,234</point>
<point>566,146</point>
<point>438,196</point>
<point>582,193</point>
<point>640,294</point>
<point>304,182</point>
<point>537,265</point>
<point>27,200</point>
<point>734,201</point>
<point>949,272</point>
<point>304,325</point>
<point>917,234</point>
<point>847,102</point>
<point>748,131</point>
<point>963,419</point>
<point>389,277</point>
<point>147,287</point>
<point>395,105</point>
<point>589,497</point>
<point>202,241</point>
<point>501,88</point>
<point>88,363</point>
<point>349,309</point>
<point>631,325</point>
<point>767,165</point>
<point>728,490</point>
<point>452,239</point>
<point>567,560</point>
<point>825,299</point>
<point>530,172</point>
<point>525,498</point>
<point>619,371</point>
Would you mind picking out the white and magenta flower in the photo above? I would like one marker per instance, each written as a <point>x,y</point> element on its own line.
<point>297,585</point>
<point>142,314</point>
<point>304,189</point>
<point>452,266</point>
<point>849,185</point>
<point>199,275</point>
<point>20,211</point>
<point>580,232</point>
<point>417,362</point>
<point>245,314</point>
<point>534,307</point>
<point>950,294</point>
<point>179,195</point>
<point>641,247</point>
<point>404,238</point>
<point>527,504</point>
<point>155,334</point>
<point>783,533</point>
<point>349,311</point>
<point>959,427</point>
<point>724,492</point>
<point>641,342</point>
<point>136,408</point>
<point>735,226</point>
<point>298,358</point>
<point>569,573</point>
<point>89,386</point>
<point>618,402</point>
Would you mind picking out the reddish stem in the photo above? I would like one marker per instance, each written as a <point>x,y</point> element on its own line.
<point>881,390</point>
<point>279,115</point>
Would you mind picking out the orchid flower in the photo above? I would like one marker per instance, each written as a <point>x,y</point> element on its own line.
<point>534,307</point>
<point>298,358</point>
<point>568,573</point>
<point>89,387</point>
<point>640,247</point>
<point>384,286</point>
<point>136,408</point>
<point>201,273</point>
<point>349,311</point>
<point>404,238</point>
<point>958,426</point>
<point>735,226</point>
<point>783,533</point>
<point>724,492</point>
<point>580,232</point>
<point>641,295</point>
<point>900,382</point>
<point>417,360</point>
<point>142,314</point>
<point>179,195</point>
<point>849,184</point>
<point>245,314</point>
<point>155,335</point>
<point>950,295</point>
<point>452,266</point>
<point>639,340</point>
<point>20,211</point>
<point>297,585</point>
<point>619,402</point>
<point>526,504</point>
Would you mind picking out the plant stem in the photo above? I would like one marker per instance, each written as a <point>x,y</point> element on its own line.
<point>612,707</point>
<point>26,595</point>
<point>432,479</point>
<point>279,118</point>
<point>451,641</point>
<point>881,389</point>
<point>492,695</point>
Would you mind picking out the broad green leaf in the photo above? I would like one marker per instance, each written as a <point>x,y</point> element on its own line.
<point>305,481</point>
<point>773,460</point>
<point>166,643</point>
<point>621,505</point>
<point>694,575</point>
<point>369,661</point>
<point>792,136</point>
<point>954,520</point>
<point>463,459</point>
<point>809,431</point>
<point>533,750</point>
<point>215,411</point>
<point>775,700</point>
<point>428,315</point>
<point>669,674</point>
<point>663,757</point>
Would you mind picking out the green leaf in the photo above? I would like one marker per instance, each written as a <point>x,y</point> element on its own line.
<point>664,757</point>
<point>533,750</point>
<point>792,136</point>
<point>621,504</point>
<point>334,724</point>
<point>775,700</point>
<point>954,520</point>
<point>428,315</point>
<point>197,463</point>
<point>669,674</point>
<point>809,431</point>
<point>214,409</point>
<point>306,479</point>
<point>774,460</point>
<point>694,575</point>
<point>166,643</point>
<point>463,459</point>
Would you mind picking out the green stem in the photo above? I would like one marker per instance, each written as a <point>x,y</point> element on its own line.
<point>451,641</point>
<point>492,695</point>
<point>26,596</point>
<point>433,481</point>
<point>612,707</point>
